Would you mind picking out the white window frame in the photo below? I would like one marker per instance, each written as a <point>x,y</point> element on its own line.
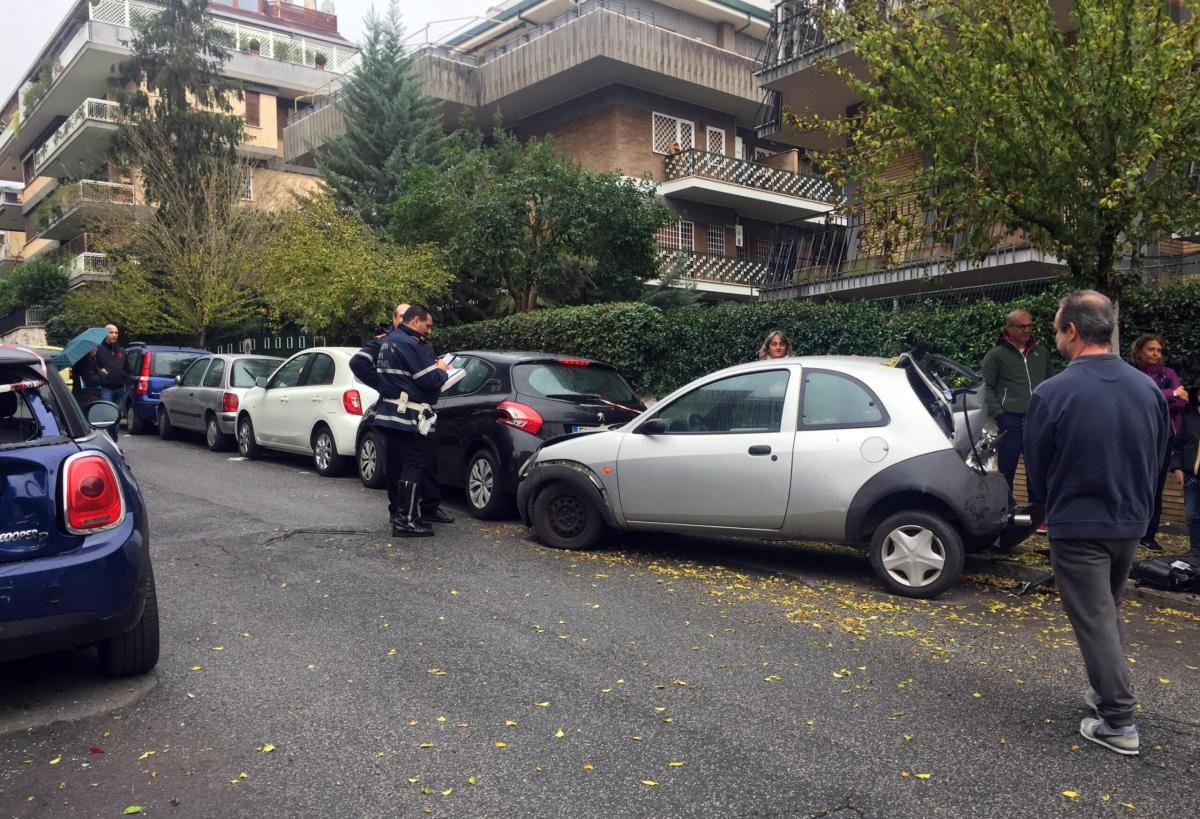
<point>708,140</point>
<point>716,240</point>
<point>677,236</point>
<point>683,144</point>
<point>247,194</point>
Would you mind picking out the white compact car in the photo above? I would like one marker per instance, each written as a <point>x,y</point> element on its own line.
<point>311,405</point>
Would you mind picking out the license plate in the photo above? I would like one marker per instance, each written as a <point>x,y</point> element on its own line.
<point>578,428</point>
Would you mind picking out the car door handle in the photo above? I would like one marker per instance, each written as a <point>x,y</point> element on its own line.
<point>760,449</point>
<point>317,400</point>
<point>283,400</point>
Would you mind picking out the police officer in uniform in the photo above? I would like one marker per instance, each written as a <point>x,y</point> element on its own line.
<point>409,376</point>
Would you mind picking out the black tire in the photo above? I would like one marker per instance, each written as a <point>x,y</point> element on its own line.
<point>135,651</point>
<point>483,499</point>
<point>938,560</point>
<point>565,518</point>
<point>166,430</point>
<point>133,423</point>
<point>247,446</point>
<point>214,438</point>
<point>372,460</point>
<point>326,460</point>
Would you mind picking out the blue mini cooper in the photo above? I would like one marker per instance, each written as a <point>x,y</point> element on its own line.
<point>74,539</point>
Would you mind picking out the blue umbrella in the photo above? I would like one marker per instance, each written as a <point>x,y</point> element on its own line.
<point>80,346</point>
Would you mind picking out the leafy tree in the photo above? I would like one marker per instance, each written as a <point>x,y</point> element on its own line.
<point>37,283</point>
<point>1082,141</point>
<point>326,270</point>
<point>525,228</point>
<point>390,123</point>
<point>176,87</point>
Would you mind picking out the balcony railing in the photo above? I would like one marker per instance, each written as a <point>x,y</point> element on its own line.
<point>92,110</point>
<point>271,44</point>
<point>87,268</point>
<point>694,162</point>
<point>799,32</point>
<point>32,317</point>
<point>9,197</point>
<point>69,199</point>
<point>706,267</point>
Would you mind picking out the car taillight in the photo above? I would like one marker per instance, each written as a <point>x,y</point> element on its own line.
<point>352,402</point>
<point>574,362</point>
<point>519,416</point>
<point>143,382</point>
<point>92,494</point>
<point>229,402</point>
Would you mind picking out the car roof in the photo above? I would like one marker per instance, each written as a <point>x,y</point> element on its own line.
<point>857,365</point>
<point>165,348</point>
<point>520,356</point>
<point>18,354</point>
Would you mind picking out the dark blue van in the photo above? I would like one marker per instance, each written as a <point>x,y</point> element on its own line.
<point>150,369</point>
<point>74,539</point>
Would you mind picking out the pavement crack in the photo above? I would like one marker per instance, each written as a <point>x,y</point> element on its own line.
<point>290,532</point>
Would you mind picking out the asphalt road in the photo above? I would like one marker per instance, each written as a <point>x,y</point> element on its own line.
<point>477,674</point>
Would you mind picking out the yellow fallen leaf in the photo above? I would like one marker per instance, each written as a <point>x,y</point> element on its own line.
<point>508,723</point>
<point>977,695</point>
<point>243,775</point>
<point>1127,805</point>
<point>440,719</point>
<point>147,755</point>
<point>908,737</point>
<point>470,780</point>
<point>197,668</point>
<point>841,674</point>
<point>1164,681</point>
<point>680,682</point>
<point>559,733</point>
<point>543,704</point>
<point>500,744</point>
<point>448,791</point>
<point>56,760</point>
<point>587,766</point>
<point>923,775</point>
<point>437,672</point>
<point>650,783</point>
<point>1070,794</point>
<point>392,652</point>
<point>414,781</point>
<point>674,764</point>
<point>605,690</point>
<point>267,748</point>
<point>218,648</point>
<point>425,745</point>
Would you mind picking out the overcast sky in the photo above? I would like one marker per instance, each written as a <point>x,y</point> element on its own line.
<point>29,23</point>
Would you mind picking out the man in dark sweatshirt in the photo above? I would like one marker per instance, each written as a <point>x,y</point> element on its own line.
<point>1095,443</point>
<point>110,363</point>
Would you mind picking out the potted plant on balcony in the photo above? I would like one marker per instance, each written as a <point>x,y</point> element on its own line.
<point>254,45</point>
<point>320,60</point>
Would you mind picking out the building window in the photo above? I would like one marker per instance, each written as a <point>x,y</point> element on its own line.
<point>670,133</point>
<point>716,240</point>
<point>247,183</point>
<point>253,109</point>
<point>714,140</point>
<point>244,5</point>
<point>677,236</point>
<point>760,250</point>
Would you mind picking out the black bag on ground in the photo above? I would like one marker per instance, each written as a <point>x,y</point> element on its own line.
<point>1178,574</point>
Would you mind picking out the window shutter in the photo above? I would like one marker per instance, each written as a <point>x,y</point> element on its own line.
<point>252,109</point>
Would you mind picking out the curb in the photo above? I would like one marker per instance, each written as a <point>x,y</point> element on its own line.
<point>1012,570</point>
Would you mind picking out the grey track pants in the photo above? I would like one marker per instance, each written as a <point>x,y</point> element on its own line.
<point>1091,575</point>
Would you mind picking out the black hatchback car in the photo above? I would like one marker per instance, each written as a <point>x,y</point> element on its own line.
<point>505,406</point>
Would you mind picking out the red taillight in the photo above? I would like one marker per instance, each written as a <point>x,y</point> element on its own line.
<point>519,416</point>
<point>229,402</point>
<point>352,402</point>
<point>143,382</point>
<point>574,362</point>
<point>93,495</point>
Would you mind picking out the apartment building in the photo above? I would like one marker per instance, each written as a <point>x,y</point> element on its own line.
<point>57,167</point>
<point>658,87</point>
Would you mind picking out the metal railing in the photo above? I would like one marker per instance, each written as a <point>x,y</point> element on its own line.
<point>10,197</point>
<point>93,191</point>
<point>695,162</point>
<point>30,317</point>
<point>707,267</point>
<point>8,253</point>
<point>799,31</point>
<point>91,110</point>
<point>271,44</point>
<point>86,268</point>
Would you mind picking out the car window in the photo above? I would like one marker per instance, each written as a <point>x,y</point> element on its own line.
<point>194,373</point>
<point>835,400</point>
<point>169,365</point>
<point>246,370</point>
<point>133,362</point>
<point>289,374</point>
<point>215,373</point>
<point>742,403</point>
<point>553,379</point>
<point>28,410</point>
<point>321,372</point>
<point>477,372</point>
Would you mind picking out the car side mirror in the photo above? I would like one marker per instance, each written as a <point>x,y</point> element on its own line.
<point>261,381</point>
<point>655,426</point>
<point>178,380</point>
<point>103,414</point>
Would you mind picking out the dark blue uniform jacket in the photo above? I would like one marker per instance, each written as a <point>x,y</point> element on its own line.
<point>405,365</point>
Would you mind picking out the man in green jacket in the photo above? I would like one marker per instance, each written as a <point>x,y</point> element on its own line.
<point>1011,372</point>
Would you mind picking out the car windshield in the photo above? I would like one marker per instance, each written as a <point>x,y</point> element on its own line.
<point>170,365</point>
<point>246,370</point>
<point>552,379</point>
<point>28,411</point>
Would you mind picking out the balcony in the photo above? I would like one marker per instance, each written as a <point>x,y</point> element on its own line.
<point>80,141</point>
<point>723,275</point>
<point>754,189</point>
<point>87,268</point>
<point>72,208</point>
<point>10,209</point>
<point>10,256</point>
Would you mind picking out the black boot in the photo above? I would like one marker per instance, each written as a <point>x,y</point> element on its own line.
<point>436,515</point>
<point>407,521</point>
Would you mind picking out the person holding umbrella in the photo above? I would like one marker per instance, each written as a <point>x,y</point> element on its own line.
<point>82,353</point>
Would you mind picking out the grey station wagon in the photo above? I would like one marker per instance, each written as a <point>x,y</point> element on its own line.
<point>881,453</point>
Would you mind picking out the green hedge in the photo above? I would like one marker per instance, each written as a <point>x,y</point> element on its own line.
<point>659,351</point>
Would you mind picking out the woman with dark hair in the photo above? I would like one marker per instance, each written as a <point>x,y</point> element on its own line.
<point>1147,355</point>
<point>775,345</point>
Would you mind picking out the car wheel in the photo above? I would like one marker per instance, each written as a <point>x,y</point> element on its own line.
<point>484,500</point>
<point>565,518</point>
<point>371,461</point>
<point>247,446</point>
<point>916,554</point>
<point>166,430</point>
<point>135,651</point>
<point>328,463</point>
<point>133,423</point>
<point>217,441</point>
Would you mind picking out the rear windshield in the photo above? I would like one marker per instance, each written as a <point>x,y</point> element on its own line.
<point>571,381</point>
<point>170,365</point>
<point>28,411</point>
<point>245,370</point>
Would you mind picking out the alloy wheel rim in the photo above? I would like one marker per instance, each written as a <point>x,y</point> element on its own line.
<point>322,450</point>
<point>480,483</point>
<point>367,459</point>
<point>913,556</point>
<point>567,516</point>
<point>211,429</point>
<point>244,437</point>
